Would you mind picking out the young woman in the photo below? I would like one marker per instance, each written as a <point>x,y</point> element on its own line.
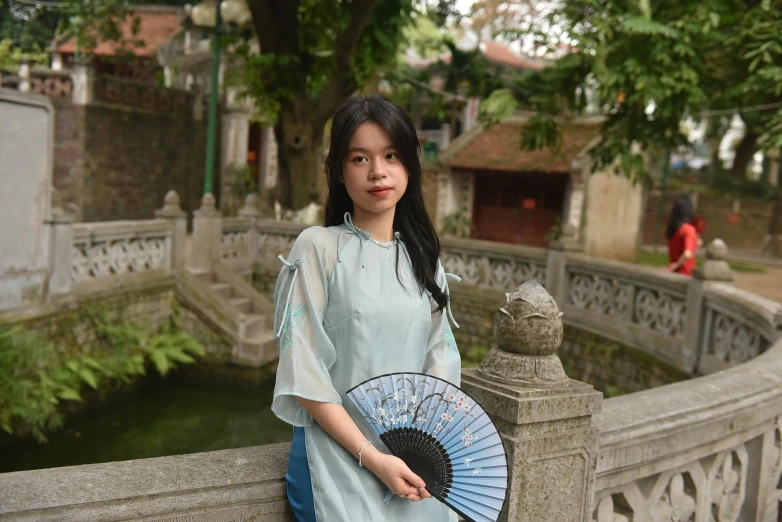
<point>682,237</point>
<point>363,296</point>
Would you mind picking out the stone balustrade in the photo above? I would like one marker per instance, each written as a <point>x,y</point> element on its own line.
<point>118,248</point>
<point>702,450</point>
<point>493,265</point>
<point>638,306</point>
<point>235,240</point>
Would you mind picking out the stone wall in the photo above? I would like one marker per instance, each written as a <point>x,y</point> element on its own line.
<point>117,163</point>
<point>613,203</point>
<point>611,367</point>
<point>71,329</point>
<point>746,234</point>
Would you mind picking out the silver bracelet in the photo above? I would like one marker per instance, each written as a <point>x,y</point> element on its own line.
<point>364,445</point>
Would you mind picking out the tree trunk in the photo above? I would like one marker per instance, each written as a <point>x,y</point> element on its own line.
<point>746,148</point>
<point>300,154</point>
<point>775,226</point>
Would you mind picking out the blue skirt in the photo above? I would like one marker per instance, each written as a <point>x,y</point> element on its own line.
<point>299,483</point>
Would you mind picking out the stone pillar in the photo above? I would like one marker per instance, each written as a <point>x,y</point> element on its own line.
<point>178,218</point>
<point>715,269</point>
<point>24,77</point>
<point>60,252</point>
<point>556,274</point>
<point>207,229</point>
<point>252,211</point>
<point>544,418</point>
<point>83,78</point>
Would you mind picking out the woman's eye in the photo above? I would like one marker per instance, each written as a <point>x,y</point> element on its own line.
<point>359,159</point>
<point>391,156</point>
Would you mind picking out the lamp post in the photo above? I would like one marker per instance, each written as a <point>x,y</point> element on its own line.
<point>211,15</point>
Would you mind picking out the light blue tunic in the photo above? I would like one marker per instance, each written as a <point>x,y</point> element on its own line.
<point>343,317</point>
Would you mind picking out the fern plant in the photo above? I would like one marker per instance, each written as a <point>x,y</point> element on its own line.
<point>35,378</point>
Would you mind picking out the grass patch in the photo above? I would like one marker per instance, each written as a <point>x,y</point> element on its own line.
<point>661,259</point>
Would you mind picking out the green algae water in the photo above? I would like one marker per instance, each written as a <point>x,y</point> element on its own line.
<point>170,417</point>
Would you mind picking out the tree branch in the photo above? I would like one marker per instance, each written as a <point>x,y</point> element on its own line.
<point>343,82</point>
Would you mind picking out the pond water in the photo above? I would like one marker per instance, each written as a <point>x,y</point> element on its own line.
<point>171,417</point>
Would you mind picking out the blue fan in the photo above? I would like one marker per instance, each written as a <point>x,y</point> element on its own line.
<point>443,436</point>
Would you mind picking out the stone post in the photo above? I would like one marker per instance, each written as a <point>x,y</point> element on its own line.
<point>83,77</point>
<point>715,269</point>
<point>60,252</point>
<point>207,229</point>
<point>178,218</point>
<point>556,274</point>
<point>544,418</point>
<point>24,77</point>
<point>251,211</point>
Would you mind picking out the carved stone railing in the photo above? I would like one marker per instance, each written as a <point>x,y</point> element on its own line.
<point>52,83</point>
<point>737,327</point>
<point>119,248</point>
<point>639,306</point>
<point>707,449</point>
<point>493,265</point>
<point>235,240</point>
<point>701,450</point>
<point>275,239</point>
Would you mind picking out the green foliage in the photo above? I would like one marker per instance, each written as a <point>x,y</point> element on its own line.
<point>652,64</point>
<point>11,56</point>
<point>35,378</point>
<point>244,182</point>
<point>554,232</point>
<point>457,224</point>
<point>499,105</point>
<point>474,356</point>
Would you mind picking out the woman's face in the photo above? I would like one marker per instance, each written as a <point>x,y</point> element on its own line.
<point>374,175</point>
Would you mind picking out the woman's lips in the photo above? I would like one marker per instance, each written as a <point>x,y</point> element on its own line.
<point>380,192</point>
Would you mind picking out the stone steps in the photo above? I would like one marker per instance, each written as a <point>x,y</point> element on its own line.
<point>251,315</point>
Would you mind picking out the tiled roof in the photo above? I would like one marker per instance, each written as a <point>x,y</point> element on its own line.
<point>495,52</point>
<point>499,148</point>
<point>157,26</point>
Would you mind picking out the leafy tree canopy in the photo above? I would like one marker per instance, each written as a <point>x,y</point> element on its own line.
<point>652,63</point>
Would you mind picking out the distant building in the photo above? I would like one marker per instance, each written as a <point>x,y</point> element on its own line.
<point>519,196</point>
<point>134,56</point>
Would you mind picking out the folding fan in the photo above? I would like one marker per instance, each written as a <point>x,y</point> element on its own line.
<point>443,436</point>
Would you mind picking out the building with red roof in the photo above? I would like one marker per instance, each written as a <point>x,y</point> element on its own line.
<point>518,196</point>
<point>135,54</point>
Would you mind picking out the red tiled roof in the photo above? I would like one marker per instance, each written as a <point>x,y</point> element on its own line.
<point>495,52</point>
<point>499,53</point>
<point>156,26</point>
<point>499,148</point>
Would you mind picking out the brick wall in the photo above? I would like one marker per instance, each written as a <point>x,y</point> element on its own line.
<point>118,163</point>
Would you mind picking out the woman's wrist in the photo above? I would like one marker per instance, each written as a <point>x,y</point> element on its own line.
<point>369,456</point>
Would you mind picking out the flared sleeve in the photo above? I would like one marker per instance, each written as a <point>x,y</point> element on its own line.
<point>306,352</point>
<point>442,355</point>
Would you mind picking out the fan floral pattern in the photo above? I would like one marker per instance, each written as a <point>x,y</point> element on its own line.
<point>417,403</point>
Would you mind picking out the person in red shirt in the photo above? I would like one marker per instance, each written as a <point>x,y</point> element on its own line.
<point>682,237</point>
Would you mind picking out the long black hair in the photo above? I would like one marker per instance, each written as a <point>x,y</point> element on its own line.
<point>681,213</point>
<point>410,218</point>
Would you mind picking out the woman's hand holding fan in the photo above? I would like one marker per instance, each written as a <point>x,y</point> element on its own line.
<point>443,436</point>
<point>397,476</point>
